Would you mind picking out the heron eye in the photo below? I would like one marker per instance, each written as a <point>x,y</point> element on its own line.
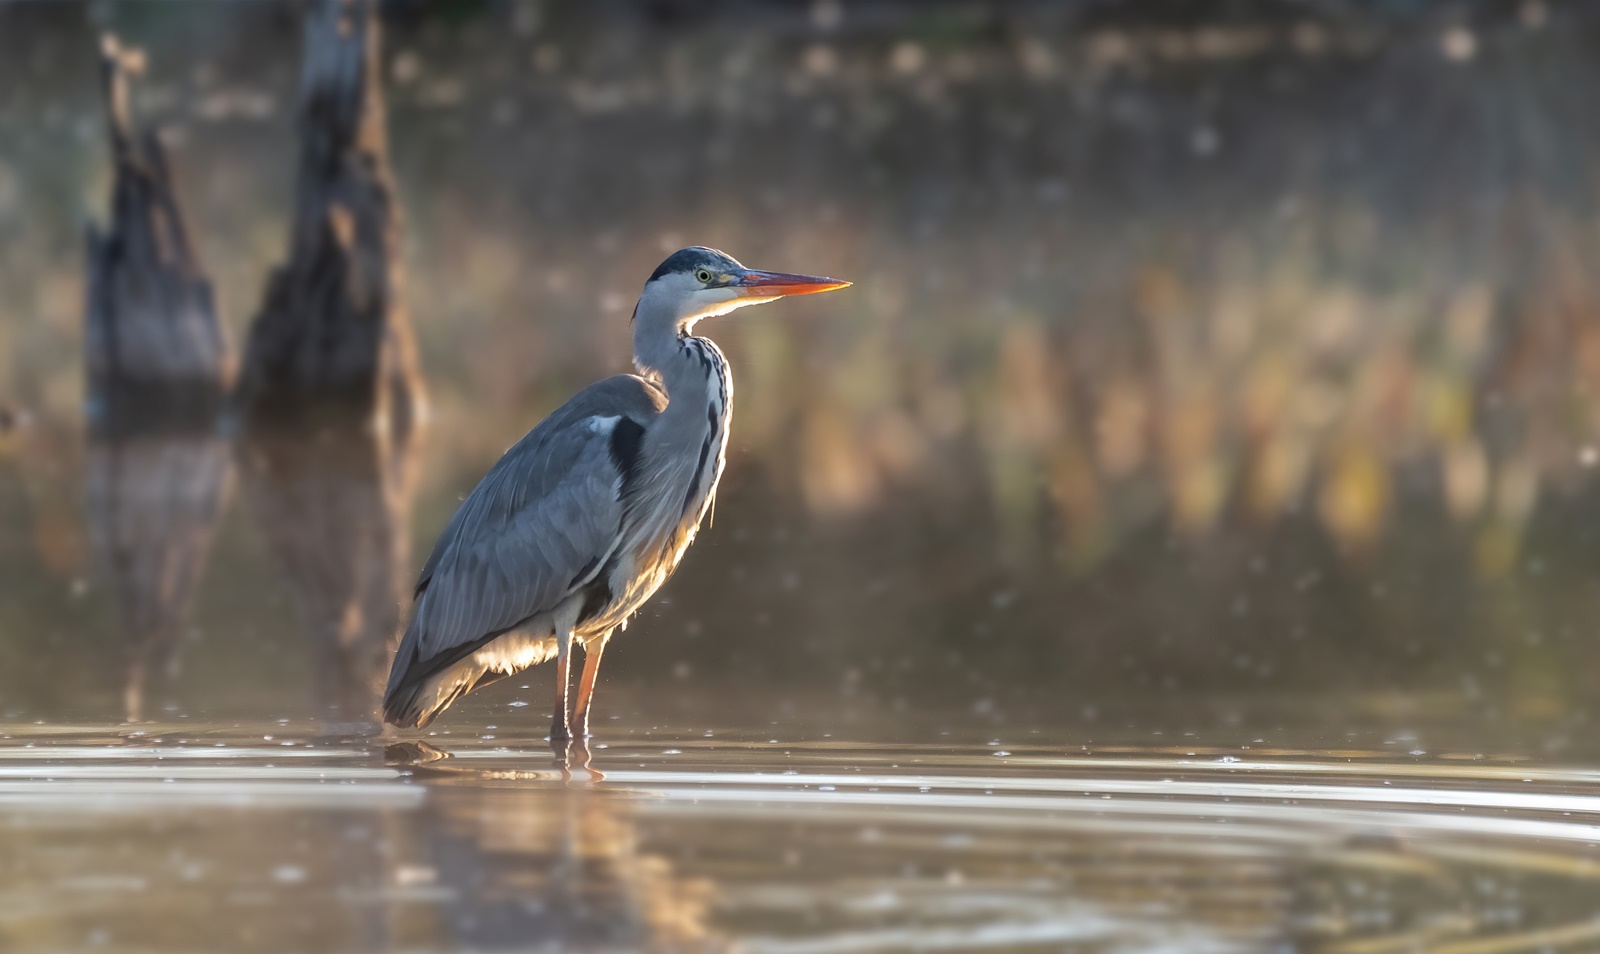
<point>702,276</point>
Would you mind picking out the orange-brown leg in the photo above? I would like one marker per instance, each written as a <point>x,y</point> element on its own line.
<point>558,721</point>
<point>591,670</point>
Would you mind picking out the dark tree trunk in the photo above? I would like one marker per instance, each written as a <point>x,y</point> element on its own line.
<point>332,329</point>
<point>151,329</point>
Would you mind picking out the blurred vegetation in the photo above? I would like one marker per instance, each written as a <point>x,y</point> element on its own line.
<point>1235,346</point>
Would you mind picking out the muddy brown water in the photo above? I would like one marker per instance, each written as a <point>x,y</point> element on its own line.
<point>1183,537</point>
<point>259,837</point>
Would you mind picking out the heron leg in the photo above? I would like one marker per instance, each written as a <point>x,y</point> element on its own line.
<point>558,721</point>
<point>591,670</point>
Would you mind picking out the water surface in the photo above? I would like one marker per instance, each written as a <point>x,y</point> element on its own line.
<point>265,837</point>
<point>1182,537</point>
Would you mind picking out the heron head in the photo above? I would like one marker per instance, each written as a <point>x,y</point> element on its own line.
<point>697,282</point>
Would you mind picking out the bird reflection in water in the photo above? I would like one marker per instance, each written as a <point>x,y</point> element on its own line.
<point>574,754</point>
<point>569,755</point>
<point>532,866</point>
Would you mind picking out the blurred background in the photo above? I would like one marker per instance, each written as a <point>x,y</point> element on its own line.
<point>1221,368</point>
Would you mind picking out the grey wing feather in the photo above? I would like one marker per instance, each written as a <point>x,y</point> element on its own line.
<point>544,515</point>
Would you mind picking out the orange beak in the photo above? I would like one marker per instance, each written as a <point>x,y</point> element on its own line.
<point>758,284</point>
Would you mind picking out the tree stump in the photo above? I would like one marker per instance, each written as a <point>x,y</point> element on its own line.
<point>332,331</point>
<point>159,368</point>
<point>151,329</point>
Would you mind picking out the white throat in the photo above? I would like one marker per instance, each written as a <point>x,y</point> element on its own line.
<point>668,309</point>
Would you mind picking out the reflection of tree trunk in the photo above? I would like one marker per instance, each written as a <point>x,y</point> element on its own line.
<point>332,502</point>
<point>158,367</point>
<point>151,328</point>
<point>330,384</point>
<point>154,499</point>
<point>332,326</point>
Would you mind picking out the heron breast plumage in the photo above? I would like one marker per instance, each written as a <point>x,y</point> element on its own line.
<point>663,499</point>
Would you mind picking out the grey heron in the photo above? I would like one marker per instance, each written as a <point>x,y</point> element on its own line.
<point>584,518</point>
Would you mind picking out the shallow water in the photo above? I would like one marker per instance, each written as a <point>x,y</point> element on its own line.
<point>266,838</point>
<point>1182,537</point>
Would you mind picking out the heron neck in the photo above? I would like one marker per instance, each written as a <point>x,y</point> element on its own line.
<point>690,370</point>
<point>664,349</point>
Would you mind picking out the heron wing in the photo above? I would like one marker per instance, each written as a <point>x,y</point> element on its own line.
<point>538,525</point>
